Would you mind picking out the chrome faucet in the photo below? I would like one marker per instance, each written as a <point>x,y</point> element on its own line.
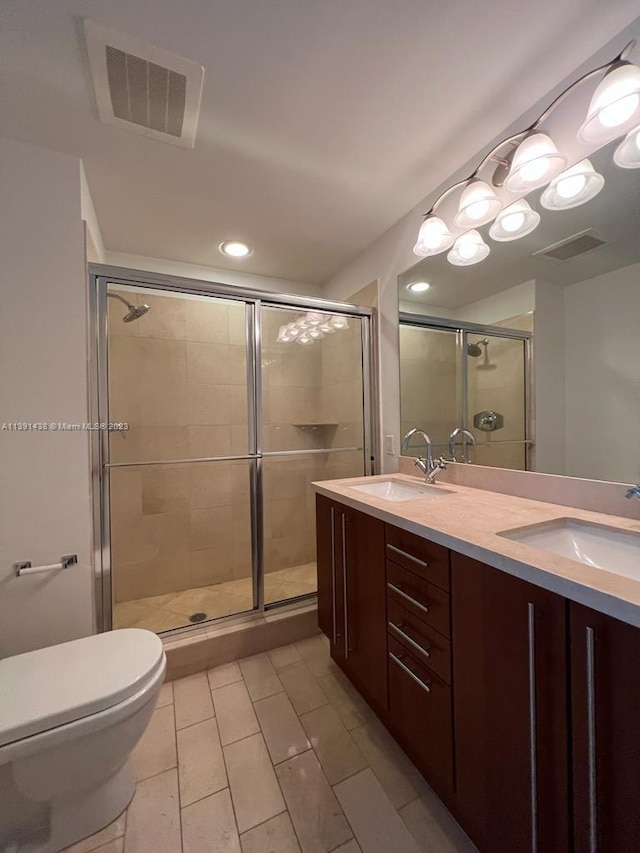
<point>634,492</point>
<point>465,434</point>
<point>428,467</point>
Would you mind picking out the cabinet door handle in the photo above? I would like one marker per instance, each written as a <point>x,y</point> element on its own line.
<point>398,589</point>
<point>345,585</point>
<point>418,681</point>
<point>333,572</point>
<point>533,726</point>
<point>591,740</point>
<point>422,563</point>
<point>397,629</point>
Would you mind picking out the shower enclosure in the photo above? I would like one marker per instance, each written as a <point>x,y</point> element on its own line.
<point>465,376</point>
<point>220,418</point>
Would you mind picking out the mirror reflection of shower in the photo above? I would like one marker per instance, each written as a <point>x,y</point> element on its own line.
<point>475,351</point>
<point>134,311</point>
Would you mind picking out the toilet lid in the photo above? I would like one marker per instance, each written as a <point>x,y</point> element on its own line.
<point>49,687</point>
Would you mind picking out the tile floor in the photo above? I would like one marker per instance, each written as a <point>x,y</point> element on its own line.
<point>275,753</point>
<point>164,612</point>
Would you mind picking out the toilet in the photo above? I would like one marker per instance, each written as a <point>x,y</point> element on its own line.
<point>70,716</point>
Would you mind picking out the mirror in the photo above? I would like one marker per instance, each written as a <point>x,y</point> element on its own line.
<point>568,396</point>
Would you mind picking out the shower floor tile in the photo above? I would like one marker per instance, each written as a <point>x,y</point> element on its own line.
<point>172,610</point>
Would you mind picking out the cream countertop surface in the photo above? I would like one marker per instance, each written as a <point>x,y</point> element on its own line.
<point>468,520</point>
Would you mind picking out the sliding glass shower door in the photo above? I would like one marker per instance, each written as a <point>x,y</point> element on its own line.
<point>220,423</point>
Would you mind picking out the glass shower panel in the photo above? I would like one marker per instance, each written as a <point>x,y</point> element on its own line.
<point>430,386</point>
<point>313,429</point>
<point>496,400</point>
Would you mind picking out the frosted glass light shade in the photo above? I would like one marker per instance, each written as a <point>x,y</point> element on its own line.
<point>535,162</point>
<point>573,187</point>
<point>478,205</point>
<point>614,107</point>
<point>339,322</point>
<point>468,249</point>
<point>433,237</point>
<point>516,220</point>
<point>627,154</point>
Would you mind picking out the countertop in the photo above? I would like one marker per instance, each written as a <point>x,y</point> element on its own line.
<point>468,521</point>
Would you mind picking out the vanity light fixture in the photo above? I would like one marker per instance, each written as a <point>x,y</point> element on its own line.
<point>478,205</point>
<point>434,237</point>
<point>535,162</point>
<point>573,187</point>
<point>514,221</point>
<point>468,249</point>
<point>615,105</point>
<point>235,249</point>
<point>310,327</point>
<point>418,286</point>
<point>339,322</point>
<point>627,154</point>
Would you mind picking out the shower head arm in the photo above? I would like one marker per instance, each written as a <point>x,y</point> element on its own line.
<point>122,299</point>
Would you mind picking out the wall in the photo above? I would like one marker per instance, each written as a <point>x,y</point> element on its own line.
<point>602,376</point>
<point>549,379</point>
<point>45,499</point>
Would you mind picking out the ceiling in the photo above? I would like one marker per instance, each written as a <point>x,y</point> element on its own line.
<point>322,123</point>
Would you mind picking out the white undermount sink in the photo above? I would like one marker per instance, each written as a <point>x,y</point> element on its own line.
<point>596,545</point>
<point>400,490</point>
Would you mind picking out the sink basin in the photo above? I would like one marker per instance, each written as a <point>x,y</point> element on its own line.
<point>595,545</point>
<point>399,490</point>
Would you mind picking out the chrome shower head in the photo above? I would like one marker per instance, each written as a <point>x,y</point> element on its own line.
<point>474,350</point>
<point>133,312</point>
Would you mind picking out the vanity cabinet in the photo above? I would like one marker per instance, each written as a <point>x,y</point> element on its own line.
<point>605,717</point>
<point>510,687</point>
<point>352,595</point>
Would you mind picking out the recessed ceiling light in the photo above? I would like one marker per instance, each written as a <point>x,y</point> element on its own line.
<point>418,286</point>
<point>235,249</point>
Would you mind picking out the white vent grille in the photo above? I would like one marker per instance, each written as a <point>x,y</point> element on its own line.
<point>571,247</point>
<point>143,88</point>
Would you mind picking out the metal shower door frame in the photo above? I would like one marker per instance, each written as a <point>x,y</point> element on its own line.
<point>99,277</point>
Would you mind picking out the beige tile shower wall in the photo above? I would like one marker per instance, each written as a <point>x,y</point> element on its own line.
<point>342,388</point>
<point>178,378</point>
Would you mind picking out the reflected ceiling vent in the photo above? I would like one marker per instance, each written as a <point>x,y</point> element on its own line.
<point>575,245</point>
<point>143,88</point>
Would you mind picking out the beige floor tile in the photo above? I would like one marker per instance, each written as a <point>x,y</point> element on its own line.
<point>192,700</point>
<point>377,825</point>
<point>350,706</point>
<point>109,834</point>
<point>260,677</point>
<point>201,769</point>
<point>302,687</point>
<point>284,656</point>
<point>350,847</point>
<point>227,673</point>
<point>208,826</point>
<point>317,817</point>
<point>254,787</point>
<point>315,651</point>
<point>274,836</point>
<point>156,750</point>
<point>281,727</point>
<point>127,613</point>
<point>115,846</point>
<point>153,818</point>
<point>398,776</point>
<point>334,746</point>
<point>234,712</point>
<point>434,828</point>
<point>165,697</point>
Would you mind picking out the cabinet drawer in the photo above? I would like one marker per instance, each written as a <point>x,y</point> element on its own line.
<point>428,646</point>
<point>420,707</point>
<point>426,601</point>
<point>412,552</point>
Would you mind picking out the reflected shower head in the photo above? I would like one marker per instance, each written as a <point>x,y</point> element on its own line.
<point>474,349</point>
<point>133,312</point>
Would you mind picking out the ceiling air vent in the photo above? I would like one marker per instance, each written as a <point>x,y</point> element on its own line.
<point>575,245</point>
<point>143,88</point>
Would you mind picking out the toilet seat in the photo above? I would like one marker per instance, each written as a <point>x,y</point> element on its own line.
<point>51,687</point>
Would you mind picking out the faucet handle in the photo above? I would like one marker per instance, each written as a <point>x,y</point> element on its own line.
<point>441,463</point>
<point>634,492</point>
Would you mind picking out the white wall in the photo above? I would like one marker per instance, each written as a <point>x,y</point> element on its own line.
<point>501,306</point>
<point>602,379</point>
<point>45,491</point>
<point>549,379</point>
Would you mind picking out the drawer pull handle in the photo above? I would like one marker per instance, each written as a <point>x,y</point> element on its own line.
<point>397,589</point>
<point>422,563</point>
<point>397,629</point>
<point>418,681</point>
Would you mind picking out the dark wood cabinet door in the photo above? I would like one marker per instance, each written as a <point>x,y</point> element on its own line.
<point>325,561</point>
<point>510,710</point>
<point>605,712</point>
<point>366,622</point>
